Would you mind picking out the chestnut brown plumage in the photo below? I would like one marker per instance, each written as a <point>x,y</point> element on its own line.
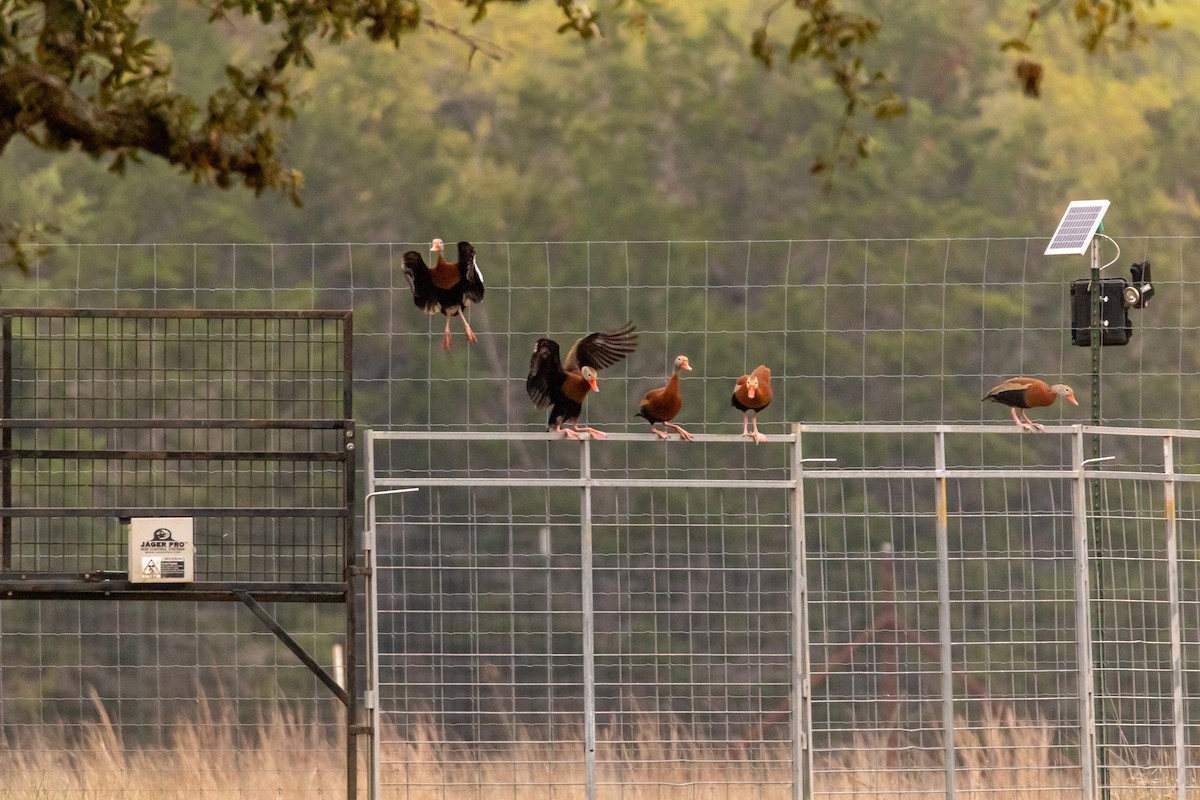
<point>445,288</point>
<point>751,394</point>
<point>563,384</point>
<point>1022,393</point>
<point>661,405</point>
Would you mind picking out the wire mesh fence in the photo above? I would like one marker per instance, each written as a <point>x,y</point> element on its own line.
<point>234,424</point>
<point>893,332</point>
<point>958,624</point>
<point>238,420</point>
<point>856,330</point>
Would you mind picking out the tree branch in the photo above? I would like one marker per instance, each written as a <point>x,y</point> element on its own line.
<point>157,124</point>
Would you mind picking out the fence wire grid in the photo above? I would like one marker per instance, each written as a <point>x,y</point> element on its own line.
<point>693,626</point>
<point>974,624</point>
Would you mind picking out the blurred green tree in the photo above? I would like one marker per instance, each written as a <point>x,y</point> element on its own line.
<point>85,75</point>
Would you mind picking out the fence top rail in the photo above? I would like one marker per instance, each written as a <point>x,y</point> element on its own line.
<point>175,313</point>
<point>545,436</point>
<point>1100,430</point>
<point>799,428</point>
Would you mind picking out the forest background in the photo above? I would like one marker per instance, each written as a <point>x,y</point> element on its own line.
<point>669,130</point>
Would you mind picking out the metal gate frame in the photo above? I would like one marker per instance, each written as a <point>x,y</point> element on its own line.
<point>804,469</point>
<point>251,590</point>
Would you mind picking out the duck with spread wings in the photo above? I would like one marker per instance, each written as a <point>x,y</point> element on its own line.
<point>445,288</point>
<point>562,384</point>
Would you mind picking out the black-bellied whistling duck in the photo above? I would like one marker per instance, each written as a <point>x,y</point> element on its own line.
<point>1022,393</point>
<point>751,394</point>
<point>563,385</point>
<point>661,405</point>
<point>445,288</point>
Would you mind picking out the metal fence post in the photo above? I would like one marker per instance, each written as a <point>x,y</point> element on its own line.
<point>1083,623</point>
<point>589,620</point>
<point>1176,634</point>
<point>802,757</point>
<point>370,545</point>
<point>371,595</point>
<point>943,588</point>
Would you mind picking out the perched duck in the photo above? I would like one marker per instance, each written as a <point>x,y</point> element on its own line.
<point>751,394</point>
<point>1022,393</point>
<point>661,405</point>
<point>563,384</point>
<point>445,288</point>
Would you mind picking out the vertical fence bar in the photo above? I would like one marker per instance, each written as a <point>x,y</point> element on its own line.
<point>349,469</point>
<point>589,622</point>
<point>802,760</point>
<point>1083,623</point>
<point>943,573</point>
<point>371,594</point>
<point>1176,634</point>
<point>6,469</point>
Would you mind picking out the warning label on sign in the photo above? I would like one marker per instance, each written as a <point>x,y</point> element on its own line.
<point>156,569</point>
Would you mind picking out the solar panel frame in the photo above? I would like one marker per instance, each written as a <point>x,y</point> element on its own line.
<point>1078,225</point>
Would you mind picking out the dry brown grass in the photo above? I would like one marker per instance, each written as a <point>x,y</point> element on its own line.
<point>289,757</point>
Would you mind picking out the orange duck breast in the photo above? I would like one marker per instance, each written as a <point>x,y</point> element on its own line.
<point>751,394</point>
<point>661,405</point>
<point>445,288</point>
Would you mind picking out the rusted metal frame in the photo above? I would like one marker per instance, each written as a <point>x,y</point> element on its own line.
<point>173,455</point>
<point>6,407</point>
<point>249,423</point>
<point>125,512</point>
<point>355,725</point>
<point>102,587</point>
<point>173,313</point>
<point>291,644</point>
<point>116,586</point>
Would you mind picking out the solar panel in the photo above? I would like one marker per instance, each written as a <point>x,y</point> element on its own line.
<point>1077,227</point>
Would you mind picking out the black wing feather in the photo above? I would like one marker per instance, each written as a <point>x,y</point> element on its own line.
<point>602,350</point>
<point>1013,398</point>
<point>472,277</point>
<point>545,373</point>
<point>416,271</point>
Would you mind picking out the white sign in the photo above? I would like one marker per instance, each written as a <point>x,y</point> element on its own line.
<point>161,549</point>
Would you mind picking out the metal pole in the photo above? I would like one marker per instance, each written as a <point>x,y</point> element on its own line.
<point>370,558</point>
<point>943,572</point>
<point>589,622</point>
<point>1175,617</point>
<point>802,757</point>
<point>353,724</point>
<point>1083,624</point>
<point>6,441</point>
<point>1097,342</point>
<point>1094,295</point>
